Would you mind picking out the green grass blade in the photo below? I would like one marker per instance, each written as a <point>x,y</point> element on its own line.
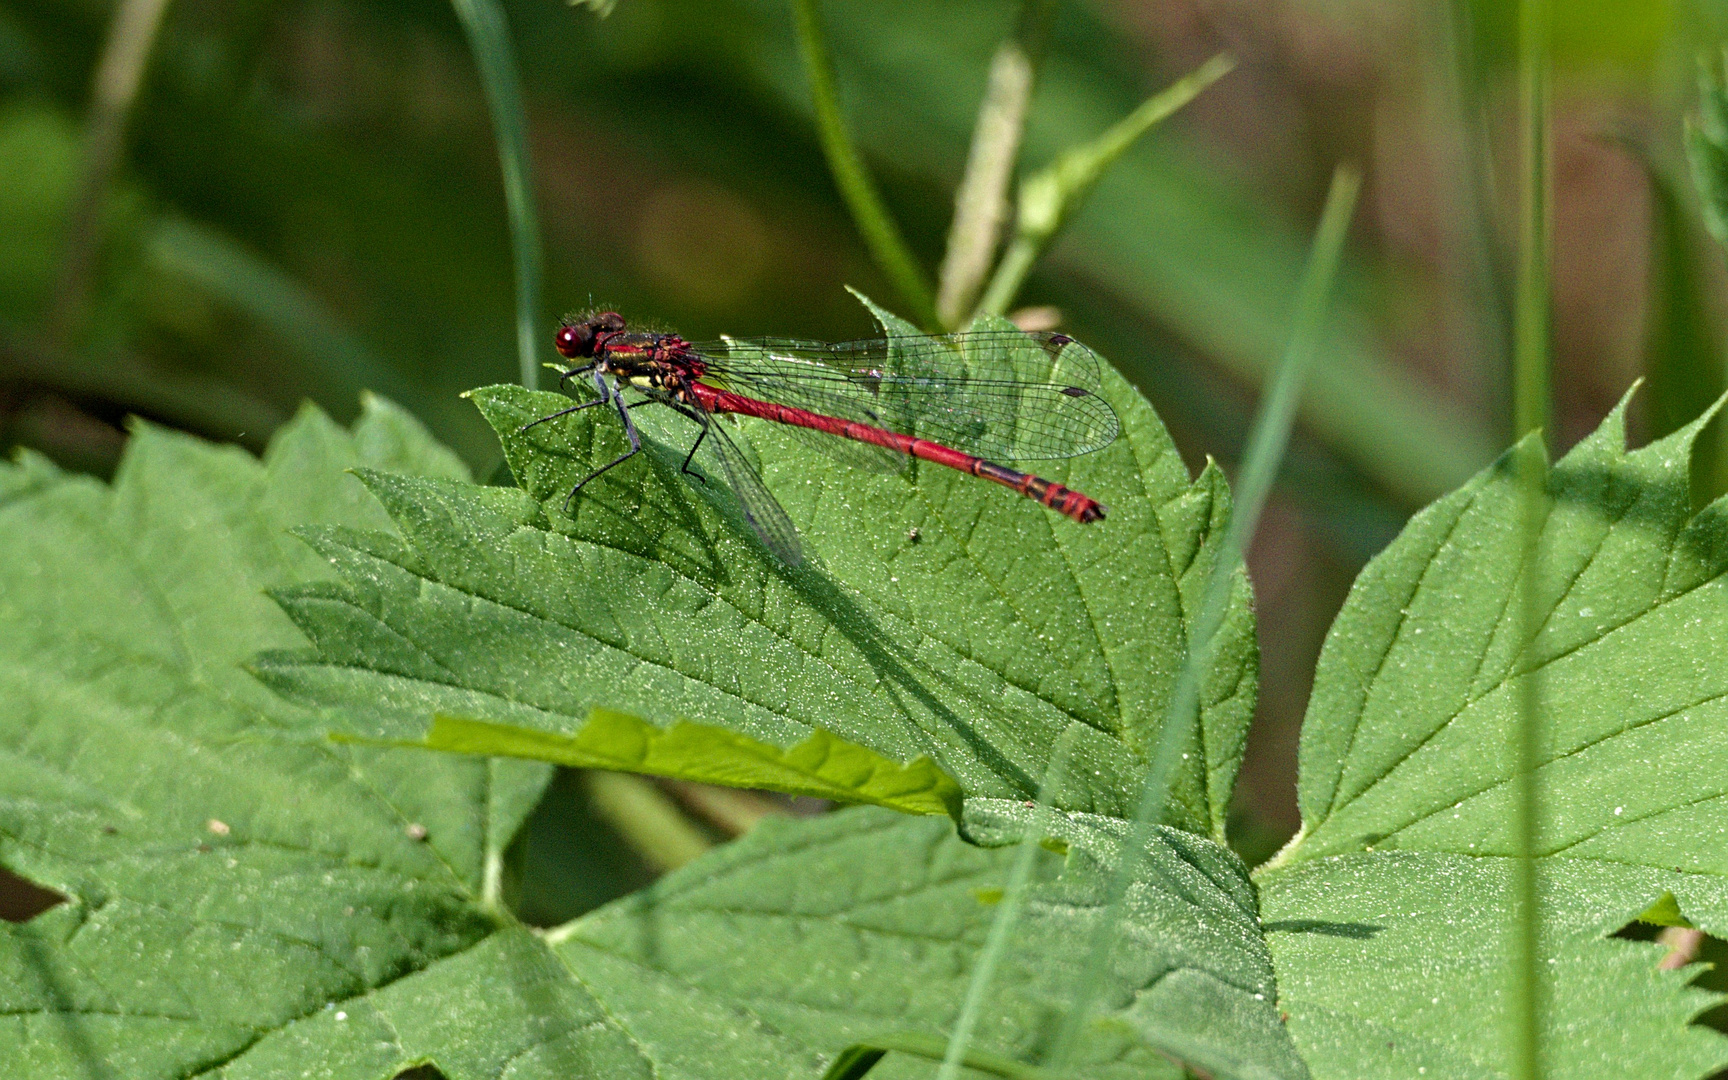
<point>1265,449</point>
<point>489,38</point>
<point>1530,410</point>
<point>1049,197</point>
<point>1682,358</point>
<point>1266,443</point>
<point>881,235</point>
<point>1014,892</point>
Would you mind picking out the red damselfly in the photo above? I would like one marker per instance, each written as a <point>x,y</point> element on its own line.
<point>954,399</point>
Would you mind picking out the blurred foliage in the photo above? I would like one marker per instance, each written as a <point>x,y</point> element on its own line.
<point>1707,149</point>
<point>310,203</point>
<point>1603,35</point>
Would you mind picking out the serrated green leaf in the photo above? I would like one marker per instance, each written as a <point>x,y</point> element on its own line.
<point>821,766</point>
<point>1406,763</point>
<point>228,871</point>
<point>1393,965</point>
<point>248,899</point>
<point>999,629</point>
<point>861,928</point>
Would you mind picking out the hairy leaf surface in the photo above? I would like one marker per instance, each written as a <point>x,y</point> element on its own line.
<point>247,898</point>
<point>228,871</point>
<point>866,924</point>
<point>939,617</point>
<point>1397,889</point>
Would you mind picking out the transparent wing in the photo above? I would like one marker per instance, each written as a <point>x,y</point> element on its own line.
<point>1000,394</point>
<point>761,509</point>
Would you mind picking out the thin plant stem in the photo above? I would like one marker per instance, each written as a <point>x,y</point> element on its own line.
<point>877,227</point>
<point>1051,196</point>
<point>1017,262</point>
<point>1457,112</point>
<point>650,821</point>
<point>1267,440</point>
<point>489,40</point>
<point>981,201</point>
<point>1008,912</point>
<point>1530,405</point>
<point>1532,317</point>
<point>1265,450</point>
<point>119,74</point>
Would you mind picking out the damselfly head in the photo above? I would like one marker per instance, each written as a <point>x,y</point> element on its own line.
<point>577,337</point>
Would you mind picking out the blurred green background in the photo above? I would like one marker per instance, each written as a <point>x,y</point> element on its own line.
<point>306,202</point>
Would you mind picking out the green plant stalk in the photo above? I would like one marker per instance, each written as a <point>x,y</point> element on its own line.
<point>1015,888</point>
<point>859,1058</point>
<point>647,818</point>
<point>1051,196</point>
<point>1267,441</point>
<point>489,39</point>
<point>1530,409</point>
<point>981,201</point>
<point>881,235</point>
<point>1532,316</point>
<point>119,73</point>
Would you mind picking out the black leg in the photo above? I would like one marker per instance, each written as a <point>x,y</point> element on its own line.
<point>630,433</point>
<point>701,422</point>
<point>560,412</point>
<point>691,456</point>
<point>619,460</point>
<point>599,385</point>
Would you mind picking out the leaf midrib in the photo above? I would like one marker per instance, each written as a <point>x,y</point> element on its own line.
<point>1503,781</point>
<point>1525,673</point>
<point>1515,671</point>
<point>866,692</point>
<point>1113,708</point>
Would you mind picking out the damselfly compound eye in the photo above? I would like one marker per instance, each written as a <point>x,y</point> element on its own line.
<point>574,341</point>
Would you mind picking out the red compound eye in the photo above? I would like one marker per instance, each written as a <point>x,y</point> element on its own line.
<point>574,341</point>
